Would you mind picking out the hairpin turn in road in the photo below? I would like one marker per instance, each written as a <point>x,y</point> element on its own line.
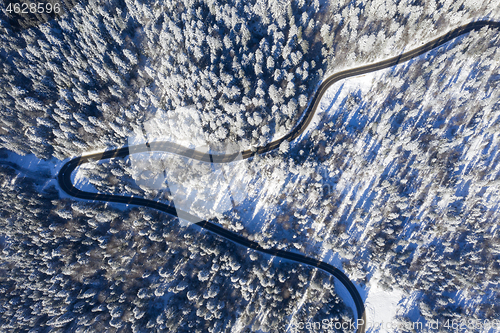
<point>64,177</point>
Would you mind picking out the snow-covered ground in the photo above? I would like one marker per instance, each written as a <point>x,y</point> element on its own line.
<point>30,165</point>
<point>80,181</point>
<point>381,305</point>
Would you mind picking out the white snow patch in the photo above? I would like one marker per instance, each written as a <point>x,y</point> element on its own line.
<point>80,181</point>
<point>30,165</point>
<point>381,305</point>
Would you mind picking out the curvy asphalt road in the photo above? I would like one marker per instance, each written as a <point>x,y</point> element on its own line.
<point>64,177</point>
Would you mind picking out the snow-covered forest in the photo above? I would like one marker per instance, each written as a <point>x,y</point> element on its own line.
<point>78,267</point>
<point>400,172</point>
<point>397,175</point>
<point>91,78</point>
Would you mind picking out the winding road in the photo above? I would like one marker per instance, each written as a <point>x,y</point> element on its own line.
<point>64,177</point>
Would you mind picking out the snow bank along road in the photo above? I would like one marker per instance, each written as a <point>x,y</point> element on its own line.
<point>66,184</point>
